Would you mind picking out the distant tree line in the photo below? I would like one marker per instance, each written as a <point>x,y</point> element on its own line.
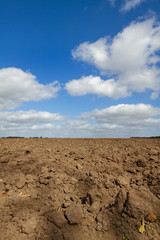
<point>12,137</point>
<point>147,137</point>
<point>19,137</point>
<point>47,137</point>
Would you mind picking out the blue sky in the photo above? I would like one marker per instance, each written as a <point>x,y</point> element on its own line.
<point>80,68</point>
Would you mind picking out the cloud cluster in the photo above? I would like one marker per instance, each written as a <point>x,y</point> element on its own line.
<point>132,56</point>
<point>123,120</point>
<point>17,86</point>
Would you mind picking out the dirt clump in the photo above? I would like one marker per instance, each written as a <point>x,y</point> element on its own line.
<point>79,189</point>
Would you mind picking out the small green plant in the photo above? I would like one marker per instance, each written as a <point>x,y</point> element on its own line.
<point>142,227</point>
<point>126,237</point>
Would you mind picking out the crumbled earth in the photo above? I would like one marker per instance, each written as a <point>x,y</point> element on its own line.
<point>79,189</point>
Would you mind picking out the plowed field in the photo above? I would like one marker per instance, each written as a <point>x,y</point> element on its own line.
<point>79,189</point>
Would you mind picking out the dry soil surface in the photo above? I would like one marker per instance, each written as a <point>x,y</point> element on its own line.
<point>79,189</point>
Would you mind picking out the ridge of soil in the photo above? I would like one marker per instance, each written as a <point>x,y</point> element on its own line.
<point>79,189</point>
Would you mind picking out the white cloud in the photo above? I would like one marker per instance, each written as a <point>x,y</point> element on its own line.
<point>94,53</point>
<point>130,118</point>
<point>127,5</point>
<point>30,123</point>
<point>123,120</point>
<point>130,4</point>
<point>131,114</point>
<point>70,128</point>
<point>29,117</point>
<point>132,55</point>
<point>17,86</point>
<point>95,85</point>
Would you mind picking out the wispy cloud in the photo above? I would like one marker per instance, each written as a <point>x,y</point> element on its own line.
<point>127,5</point>
<point>112,2</point>
<point>130,4</point>
<point>132,55</point>
<point>17,86</point>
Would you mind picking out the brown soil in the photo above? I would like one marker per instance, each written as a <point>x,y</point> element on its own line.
<point>79,189</point>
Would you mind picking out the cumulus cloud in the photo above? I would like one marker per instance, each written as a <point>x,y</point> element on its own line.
<point>132,119</point>
<point>126,114</point>
<point>130,4</point>
<point>17,86</point>
<point>123,120</point>
<point>96,85</point>
<point>132,56</point>
<point>29,117</point>
<point>93,53</point>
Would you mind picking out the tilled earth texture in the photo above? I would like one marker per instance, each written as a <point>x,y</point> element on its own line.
<point>79,189</point>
